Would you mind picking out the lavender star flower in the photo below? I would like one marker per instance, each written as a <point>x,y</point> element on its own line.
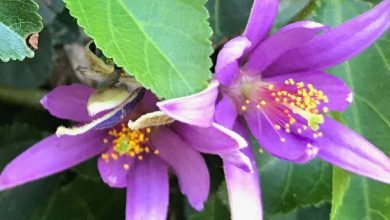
<point>277,84</point>
<point>134,159</point>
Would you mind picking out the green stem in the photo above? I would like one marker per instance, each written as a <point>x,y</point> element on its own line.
<point>309,8</point>
<point>22,97</point>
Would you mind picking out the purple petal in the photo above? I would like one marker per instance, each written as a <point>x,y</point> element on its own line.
<point>51,155</point>
<point>243,188</point>
<point>239,159</point>
<point>227,68</point>
<point>148,190</point>
<point>295,148</point>
<point>226,112</point>
<point>344,148</point>
<point>338,93</point>
<point>69,102</point>
<point>337,45</point>
<point>261,20</point>
<point>113,172</point>
<point>287,38</point>
<point>197,109</point>
<point>188,165</point>
<point>215,139</point>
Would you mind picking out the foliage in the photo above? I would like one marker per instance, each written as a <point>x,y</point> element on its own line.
<point>166,45</point>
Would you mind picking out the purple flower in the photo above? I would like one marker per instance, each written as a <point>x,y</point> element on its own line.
<point>277,84</point>
<point>134,159</point>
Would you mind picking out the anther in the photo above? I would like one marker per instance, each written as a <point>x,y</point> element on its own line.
<point>126,166</point>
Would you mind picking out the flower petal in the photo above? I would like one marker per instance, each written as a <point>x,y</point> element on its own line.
<point>260,21</point>
<point>243,188</point>
<point>215,139</point>
<point>51,155</point>
<point>344,148</point>
<point>69,102</point>
<point>338,93</point>
<point>296,148</point>
<point>113,171</point>
<point>337,45</point>
<point>188,165</point>
<point>227,68</point>
<point>287,38</point>
<point>226,112</point>
<point>238,159</point>
<point>148,190</point>
<point>197,109</point>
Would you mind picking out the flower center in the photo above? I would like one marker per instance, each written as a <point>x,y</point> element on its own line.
<point>292,107</point>
<point>126,142</point>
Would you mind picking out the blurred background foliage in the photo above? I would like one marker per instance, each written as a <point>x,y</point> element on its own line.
<point>290,192</point>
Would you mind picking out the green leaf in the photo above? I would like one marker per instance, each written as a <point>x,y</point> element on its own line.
<point>356,197</point>
<point>306,213</point>
<point>30,73</point>
<point>228,18</point>
<point>18,20</point>
<point>214,210</point>
<point>287,186</point>
<point>163,43</point>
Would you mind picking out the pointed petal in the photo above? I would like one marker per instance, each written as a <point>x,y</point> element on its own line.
<point>343,147</point>
<point>51,155</point>
<point>148,190</point>
<point>337,45</point>
<point>215,139</point>
<point>197,109</point>
<point>243,188</point>
<point>294,149</point>
<point>188,165</point>
<point>287,38</point>
<point>113,172</point>
<point>226,112</point>
<point>69,102</point>
<point>260,21</point>
<point>338,93</point>
<point>227,68</point>
<point>239,159</point>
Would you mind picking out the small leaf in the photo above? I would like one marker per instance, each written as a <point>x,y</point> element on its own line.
<point>18,20</point>
<point>163,43</point>
<point>30,73</point>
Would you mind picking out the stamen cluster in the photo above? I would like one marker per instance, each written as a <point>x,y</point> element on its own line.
<point>128,142</point>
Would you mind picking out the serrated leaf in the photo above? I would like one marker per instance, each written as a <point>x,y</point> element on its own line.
<point>356,197</point>
<point>163,43</point>
<point>30,73</point>
<point>18,20</point>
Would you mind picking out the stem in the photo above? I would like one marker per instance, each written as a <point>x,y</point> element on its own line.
<point>22,97</point>
<point>309,8</point>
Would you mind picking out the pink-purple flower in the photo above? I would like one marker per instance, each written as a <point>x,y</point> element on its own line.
<point>134,159</point>
<point>277,84</point>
